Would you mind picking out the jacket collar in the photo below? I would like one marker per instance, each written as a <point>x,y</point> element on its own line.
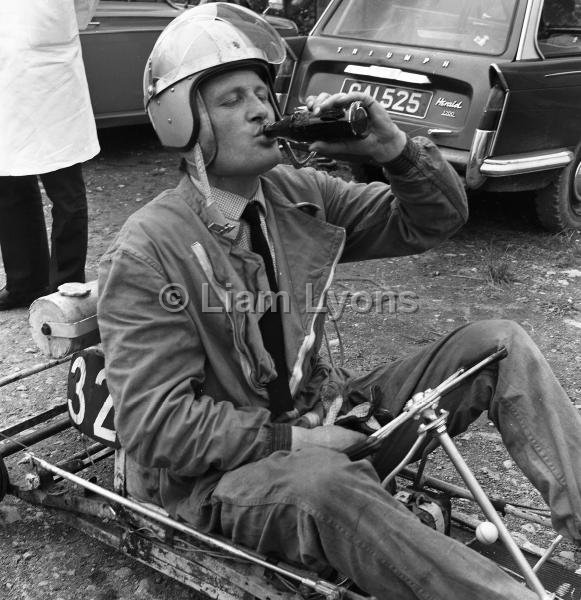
<point>226,208</point>
<point>210,214</point>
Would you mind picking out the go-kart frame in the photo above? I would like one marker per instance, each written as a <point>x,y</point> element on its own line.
<point>86,488</point>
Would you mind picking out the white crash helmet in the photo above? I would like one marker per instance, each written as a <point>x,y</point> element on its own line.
<point>201,42</point>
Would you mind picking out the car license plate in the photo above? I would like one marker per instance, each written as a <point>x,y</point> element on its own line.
<point>395,99</point>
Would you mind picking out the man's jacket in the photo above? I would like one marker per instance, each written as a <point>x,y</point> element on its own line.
<point>179,305</point>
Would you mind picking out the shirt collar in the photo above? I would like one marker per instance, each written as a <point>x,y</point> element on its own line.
<point>232,205</point>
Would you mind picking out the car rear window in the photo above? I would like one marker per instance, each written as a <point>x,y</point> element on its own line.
<point>480,26</point>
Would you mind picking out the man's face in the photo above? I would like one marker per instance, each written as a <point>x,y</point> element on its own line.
<point>238,104</point>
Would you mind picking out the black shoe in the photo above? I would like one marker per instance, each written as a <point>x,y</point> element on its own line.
<point>10,300</point>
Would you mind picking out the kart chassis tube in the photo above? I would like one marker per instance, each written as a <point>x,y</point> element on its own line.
<point>330,591</point>
<point>32,370</point>
<point>22,443</point>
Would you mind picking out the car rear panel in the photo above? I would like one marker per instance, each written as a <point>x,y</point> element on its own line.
<point>436,93</point>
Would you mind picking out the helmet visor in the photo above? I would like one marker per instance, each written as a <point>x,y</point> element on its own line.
<point>257,29</point>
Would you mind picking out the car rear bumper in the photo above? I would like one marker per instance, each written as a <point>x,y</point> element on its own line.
<point>521,164</point>
<point>481,166</point>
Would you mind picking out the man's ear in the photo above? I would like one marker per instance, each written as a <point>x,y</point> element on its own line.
<point>206,137</point>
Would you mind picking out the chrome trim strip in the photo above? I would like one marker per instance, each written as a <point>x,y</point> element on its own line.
<point>438,132</point>
<point>520,51</point>
<point>563,73</point>
<point>503,166</point>
<point>323,15</point>
<point>387,73</point>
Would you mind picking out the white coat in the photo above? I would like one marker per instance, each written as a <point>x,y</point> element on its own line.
<point>46,119</point>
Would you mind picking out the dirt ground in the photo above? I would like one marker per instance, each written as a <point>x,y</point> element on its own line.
<point>501,265</point>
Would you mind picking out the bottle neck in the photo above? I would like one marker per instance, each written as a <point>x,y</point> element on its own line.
<point>303,126</point>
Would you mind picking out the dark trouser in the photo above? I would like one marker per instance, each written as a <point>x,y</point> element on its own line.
<point>29,266</point>
<point>315,507</point>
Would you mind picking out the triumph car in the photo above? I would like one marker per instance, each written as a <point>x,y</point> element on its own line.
<point>496,84</point>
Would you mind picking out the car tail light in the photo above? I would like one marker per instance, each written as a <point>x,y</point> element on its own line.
<point>286,70</point>
<point>284,74</point>
<point>493,109</point>
<point>484,136</point>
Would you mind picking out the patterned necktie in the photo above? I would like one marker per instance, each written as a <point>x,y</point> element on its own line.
<point>271,323</point>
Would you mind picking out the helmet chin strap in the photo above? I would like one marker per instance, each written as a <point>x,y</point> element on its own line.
<point>197,171</point>
<point>206,138</point>
<point>203,152</point>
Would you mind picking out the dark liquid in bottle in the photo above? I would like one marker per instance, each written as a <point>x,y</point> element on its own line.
<point>333,125</point>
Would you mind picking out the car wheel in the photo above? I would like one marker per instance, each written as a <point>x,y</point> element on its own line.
<point>558,205</point>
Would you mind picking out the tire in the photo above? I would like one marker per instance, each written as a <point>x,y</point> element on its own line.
<point>558,205</point>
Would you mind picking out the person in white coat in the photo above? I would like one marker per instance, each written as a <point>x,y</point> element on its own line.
<point>48,130</point>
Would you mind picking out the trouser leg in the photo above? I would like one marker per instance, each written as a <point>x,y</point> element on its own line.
<point>66,190</point>
<point>537,421</point>
<point>314,507</point>
<point>23,237</point>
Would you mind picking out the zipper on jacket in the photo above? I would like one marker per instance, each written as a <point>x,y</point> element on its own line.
<point>200,253</point>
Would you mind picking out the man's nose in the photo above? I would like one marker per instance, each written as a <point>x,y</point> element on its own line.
<point>258,109</point>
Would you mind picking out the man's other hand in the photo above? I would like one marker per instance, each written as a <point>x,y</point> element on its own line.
<point>325,436</point>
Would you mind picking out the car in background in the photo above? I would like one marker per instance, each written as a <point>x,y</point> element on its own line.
<point>496,84</point>
<point>116,46</point>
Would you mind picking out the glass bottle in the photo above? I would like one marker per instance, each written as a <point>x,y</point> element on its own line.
<point>329,126</point>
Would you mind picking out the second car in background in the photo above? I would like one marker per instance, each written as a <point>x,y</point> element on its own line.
<point>116,45</point>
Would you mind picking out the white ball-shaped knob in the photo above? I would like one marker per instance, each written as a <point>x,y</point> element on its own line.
<point>486,532</point>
